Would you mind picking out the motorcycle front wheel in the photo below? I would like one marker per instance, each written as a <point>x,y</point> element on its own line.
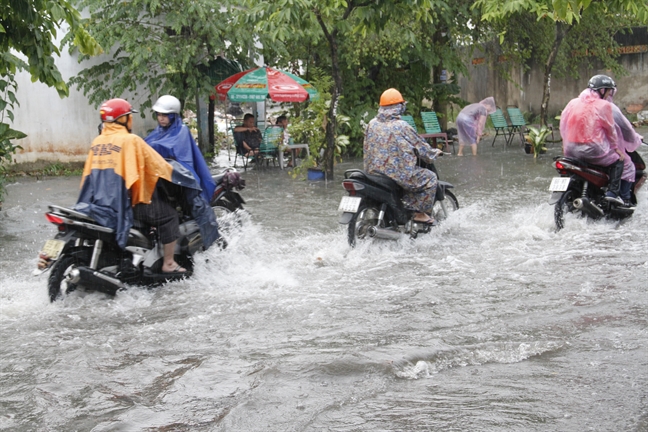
<point>365,217</point>
<point>227,215</point>
<point>564,205</point>
<point>58,284</point>
<point>443,209</point>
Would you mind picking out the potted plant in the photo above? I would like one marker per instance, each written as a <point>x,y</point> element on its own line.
<point>536,140</point>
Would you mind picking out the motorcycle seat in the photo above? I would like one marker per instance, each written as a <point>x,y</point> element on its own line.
<point>582,164</point>
<point>379,180</point>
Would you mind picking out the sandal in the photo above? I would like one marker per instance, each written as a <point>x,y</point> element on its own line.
<point>178,269</point>
<point>429,221</point>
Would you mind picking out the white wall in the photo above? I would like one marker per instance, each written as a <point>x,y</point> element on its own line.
<point>60,129</point>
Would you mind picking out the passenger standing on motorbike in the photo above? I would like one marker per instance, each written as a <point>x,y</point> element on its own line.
<point>120,180</point>
<point>173,140</point>
<point>392,147</point>
<point>589,133</point>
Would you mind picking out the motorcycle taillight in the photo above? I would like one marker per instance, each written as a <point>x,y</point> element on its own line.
<point>352,187</point>
<point>54,219</point>
<point>560,167</point>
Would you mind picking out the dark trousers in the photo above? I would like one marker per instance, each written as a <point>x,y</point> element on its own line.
<point>159,214</point>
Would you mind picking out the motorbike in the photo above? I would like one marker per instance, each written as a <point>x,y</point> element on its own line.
<point>373,208</point>
<point>86,254</point>
<point>581,188</point>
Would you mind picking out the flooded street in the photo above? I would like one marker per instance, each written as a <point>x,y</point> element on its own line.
<point>493,322</point>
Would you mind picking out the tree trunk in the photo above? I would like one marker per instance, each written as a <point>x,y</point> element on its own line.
<point>561,32</point>
<point>440,104</point>
<point>210,122</point>
<point>201,117</point>
<point>331,124</point>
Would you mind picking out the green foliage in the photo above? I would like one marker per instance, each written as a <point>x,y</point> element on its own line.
<point>379,45</point>
<point>161,47</point>
<point>59,169</point>
<point>527,40</point>
<point>568,11</point>
<point>590,23</point>
<point>29,27</point>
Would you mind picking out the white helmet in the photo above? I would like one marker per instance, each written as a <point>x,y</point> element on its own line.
<point>167,104</point>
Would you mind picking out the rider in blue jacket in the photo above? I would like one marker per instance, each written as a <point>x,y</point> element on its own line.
<point>173,140</point>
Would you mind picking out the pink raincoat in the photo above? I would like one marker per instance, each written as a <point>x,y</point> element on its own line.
<point>629,141</point>
<point>471,120</point>
<point>588,129</point>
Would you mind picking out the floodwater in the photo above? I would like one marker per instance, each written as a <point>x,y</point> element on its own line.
<point>493,322</point>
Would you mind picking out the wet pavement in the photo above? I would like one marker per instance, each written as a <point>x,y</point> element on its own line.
<point>493,322</point>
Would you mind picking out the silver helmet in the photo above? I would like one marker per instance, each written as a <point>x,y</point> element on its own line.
<point>167,104</point>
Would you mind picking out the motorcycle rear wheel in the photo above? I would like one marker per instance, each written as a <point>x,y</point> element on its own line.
<point>365,217</point>
<point>57,285</point>
<point>443,209</point>
<point>564,205</point>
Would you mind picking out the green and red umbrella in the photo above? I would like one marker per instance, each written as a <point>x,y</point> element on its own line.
<point>255,85</point>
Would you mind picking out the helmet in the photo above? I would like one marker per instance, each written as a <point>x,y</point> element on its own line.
<point>167,104</point>
<point>391,97</point>
<point>601,82</point>
<point>112,109</point>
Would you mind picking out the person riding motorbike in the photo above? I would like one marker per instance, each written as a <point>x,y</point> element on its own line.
<point>173,140</point>
<point>123,180</point>
<point>392,147</point>
<point>589,133</point>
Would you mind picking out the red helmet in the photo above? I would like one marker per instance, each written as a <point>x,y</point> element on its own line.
<point>112,109</point>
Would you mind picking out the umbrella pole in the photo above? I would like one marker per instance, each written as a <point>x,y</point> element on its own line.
<point>227,131</point>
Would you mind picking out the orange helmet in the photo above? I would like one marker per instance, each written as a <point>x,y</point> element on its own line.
<point>391,97</point>
<point>112,109</point>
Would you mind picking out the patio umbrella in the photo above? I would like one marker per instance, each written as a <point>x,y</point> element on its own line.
<point>255,85</point>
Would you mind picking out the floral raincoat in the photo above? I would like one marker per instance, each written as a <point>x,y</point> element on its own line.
<point>391,147</point>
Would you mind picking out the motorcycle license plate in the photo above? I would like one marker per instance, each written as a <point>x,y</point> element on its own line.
<point>53,248</point>
<point>559,184</point>
<point>349,204</point>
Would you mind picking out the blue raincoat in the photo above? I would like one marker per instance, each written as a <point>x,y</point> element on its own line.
<point>175,142</point>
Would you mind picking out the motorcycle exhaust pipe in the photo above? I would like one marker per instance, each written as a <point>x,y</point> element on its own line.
<point>97,280</point>
<point>583,204</point>
<point>383,233</point>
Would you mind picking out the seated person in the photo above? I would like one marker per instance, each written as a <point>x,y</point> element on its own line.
<point>251,136</point>
<point>282,121</point>
<point>173,140</point>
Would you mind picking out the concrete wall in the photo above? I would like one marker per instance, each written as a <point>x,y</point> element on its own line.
<point>60,129</point>
<point>525,90</point>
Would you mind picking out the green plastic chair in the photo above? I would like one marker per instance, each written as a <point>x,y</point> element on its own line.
<point>518,123</point>
<point>410,120</point>
<point>269,148</point>
<point>501,126</point>
<point>433,129</point>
